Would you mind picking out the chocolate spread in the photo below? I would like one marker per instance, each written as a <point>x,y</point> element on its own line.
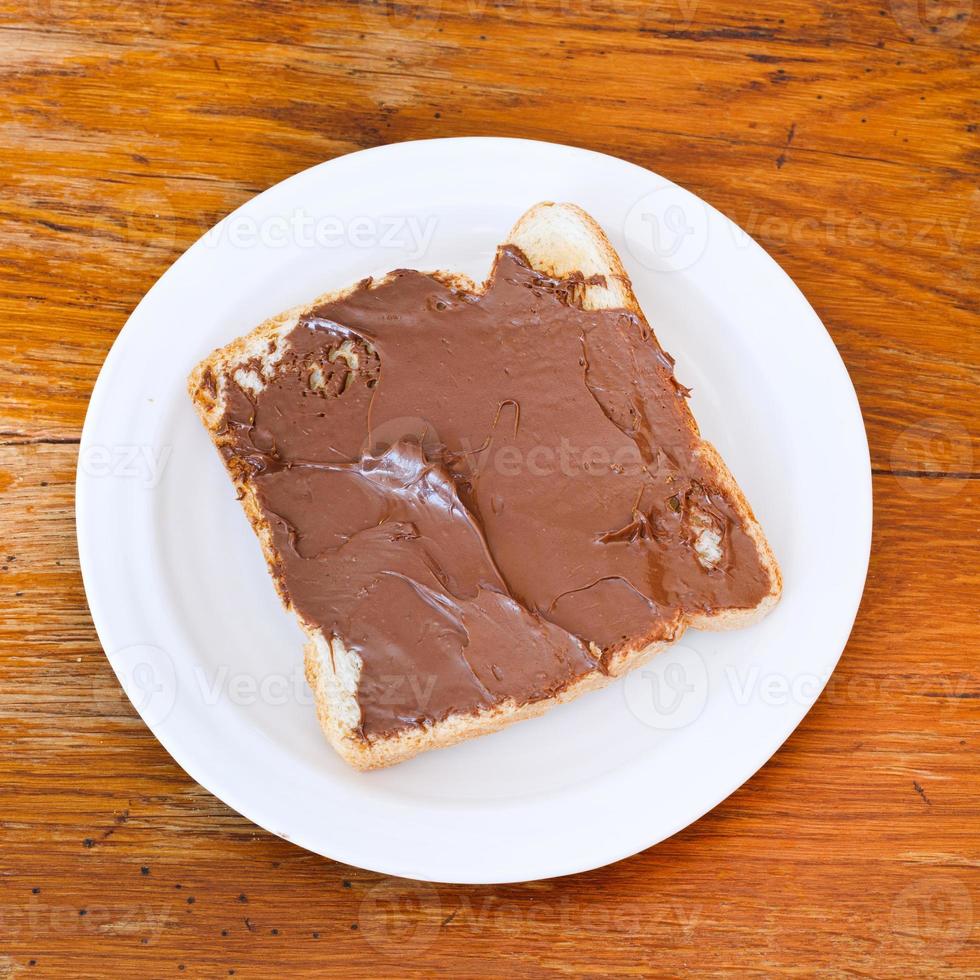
<point>486,495</point>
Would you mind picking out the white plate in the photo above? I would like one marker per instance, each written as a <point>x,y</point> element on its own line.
<point>192,626</point>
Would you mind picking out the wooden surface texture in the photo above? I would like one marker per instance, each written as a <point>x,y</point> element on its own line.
<point>843,136</point>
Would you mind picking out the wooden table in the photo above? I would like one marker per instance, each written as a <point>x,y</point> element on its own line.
<point>842,136</point>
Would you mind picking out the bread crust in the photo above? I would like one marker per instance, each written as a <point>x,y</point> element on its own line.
<point>558,240</point>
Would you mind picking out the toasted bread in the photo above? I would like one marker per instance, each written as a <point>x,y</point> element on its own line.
<point>560,241</point>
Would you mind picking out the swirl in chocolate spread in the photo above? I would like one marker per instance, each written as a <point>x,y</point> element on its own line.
<point>484,495</point>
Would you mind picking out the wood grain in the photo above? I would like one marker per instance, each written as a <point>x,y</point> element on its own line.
<point>843,137</point>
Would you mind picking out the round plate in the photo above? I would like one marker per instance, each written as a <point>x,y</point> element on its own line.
<point>191,623</point>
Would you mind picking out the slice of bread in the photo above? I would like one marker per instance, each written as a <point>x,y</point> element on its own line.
<point>560,241</point>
